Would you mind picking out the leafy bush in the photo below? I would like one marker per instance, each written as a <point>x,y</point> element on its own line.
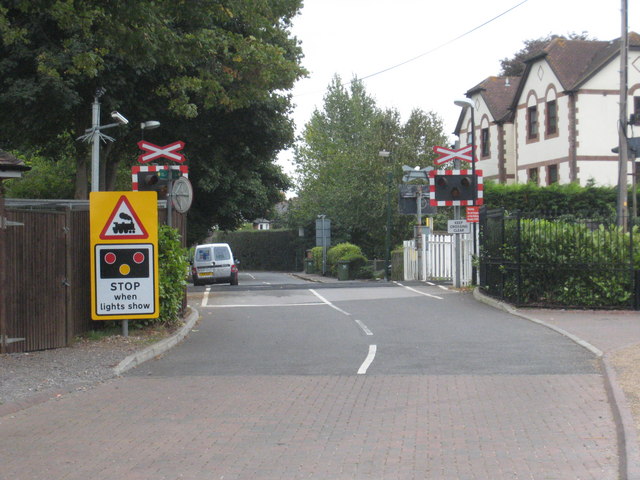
<point>173,266</point>
<point>345,252</point>
<point>316,253</point>
<point>567,263</point>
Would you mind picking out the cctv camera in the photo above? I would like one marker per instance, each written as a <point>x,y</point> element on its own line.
<point>118,117</point>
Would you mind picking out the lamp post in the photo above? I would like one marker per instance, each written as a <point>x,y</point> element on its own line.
<point>467,103</point>
<point>387,242</point>
<point>148,125</point>
<point>94,135</point>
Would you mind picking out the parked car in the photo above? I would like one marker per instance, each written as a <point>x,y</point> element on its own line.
<point>214,263</point>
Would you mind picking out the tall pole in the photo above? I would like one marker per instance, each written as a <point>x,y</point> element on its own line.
<point>475,190</point>
<point>387,240</point>
<point>95,147</point>
<point>387,249</point>
<point>623,150</point>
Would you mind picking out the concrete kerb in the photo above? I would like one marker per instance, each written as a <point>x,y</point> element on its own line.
<point>158,348</point>
<point>628,452</point>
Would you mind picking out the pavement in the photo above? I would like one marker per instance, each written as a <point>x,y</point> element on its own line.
<point>606,334</point>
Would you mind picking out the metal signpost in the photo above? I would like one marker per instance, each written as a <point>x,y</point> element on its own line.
<point>323,238</point>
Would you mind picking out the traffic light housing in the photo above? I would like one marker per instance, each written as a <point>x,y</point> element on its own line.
<point>454,187</point>
<point>154,181</point>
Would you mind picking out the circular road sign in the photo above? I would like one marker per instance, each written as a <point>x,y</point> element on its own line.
<point>182,194</point>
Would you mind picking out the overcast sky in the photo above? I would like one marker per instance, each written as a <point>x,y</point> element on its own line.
<point>456,41</point>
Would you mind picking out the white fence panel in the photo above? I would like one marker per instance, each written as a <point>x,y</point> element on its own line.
<point>438,258</point>
<point>410,260</point>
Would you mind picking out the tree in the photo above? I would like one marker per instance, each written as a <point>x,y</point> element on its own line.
<point>188,64</point>
<point>341,174</point>
<point>514,66</point>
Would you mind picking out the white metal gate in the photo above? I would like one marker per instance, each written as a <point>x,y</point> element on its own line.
<point>435,259</point>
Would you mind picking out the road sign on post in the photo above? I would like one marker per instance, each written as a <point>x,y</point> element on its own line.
<point>124,255</point>
<point>450,154</point>
<point>458,226</point>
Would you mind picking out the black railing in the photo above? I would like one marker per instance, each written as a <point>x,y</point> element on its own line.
<point>559,261</point>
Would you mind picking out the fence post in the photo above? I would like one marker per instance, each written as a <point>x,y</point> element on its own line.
<point>519,256</point>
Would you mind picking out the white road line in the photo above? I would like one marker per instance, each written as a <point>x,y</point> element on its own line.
<point>367,361</point>
<point>205,297</point>
<point>252,277</point>
<point>419,292</point>
<point>266,305</point>
<point>329,303</point>
<point>364,328</point>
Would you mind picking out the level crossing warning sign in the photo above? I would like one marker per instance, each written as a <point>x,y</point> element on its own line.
<point>123,223</point>
<point>124,255</point>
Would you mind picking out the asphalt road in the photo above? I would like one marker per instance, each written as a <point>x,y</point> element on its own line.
<point>276,324</point>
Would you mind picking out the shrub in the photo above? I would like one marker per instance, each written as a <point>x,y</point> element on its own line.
<point>567,263</point>
<point>345,252</point>
<point>173,267</point>
<point>316,253</point>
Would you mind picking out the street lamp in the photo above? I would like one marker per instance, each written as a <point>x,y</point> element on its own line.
<point>94,134</point>
<point>387,242</point>
<point>467,103</point>
<point>148,125</point>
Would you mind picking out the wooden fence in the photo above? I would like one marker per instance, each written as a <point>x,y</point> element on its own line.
<point>47,291</point>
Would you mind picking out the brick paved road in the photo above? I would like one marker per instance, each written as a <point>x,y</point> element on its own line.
<point>292,427</point>
<point>381,426</point>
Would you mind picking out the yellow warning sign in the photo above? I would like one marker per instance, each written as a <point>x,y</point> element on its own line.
<point>124,255</point>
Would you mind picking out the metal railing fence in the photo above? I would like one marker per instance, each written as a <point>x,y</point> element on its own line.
<point>560,261</point>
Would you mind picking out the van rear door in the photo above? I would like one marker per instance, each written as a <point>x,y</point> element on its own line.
<point>222,261</point>
<point>203,262</point>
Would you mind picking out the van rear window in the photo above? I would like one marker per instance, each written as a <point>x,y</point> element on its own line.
<point>203,255</point>
<point>221,253</point>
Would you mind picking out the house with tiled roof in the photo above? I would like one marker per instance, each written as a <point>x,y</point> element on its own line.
<point>558,122</point>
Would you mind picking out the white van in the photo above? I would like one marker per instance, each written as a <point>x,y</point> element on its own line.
<point>214,263</point>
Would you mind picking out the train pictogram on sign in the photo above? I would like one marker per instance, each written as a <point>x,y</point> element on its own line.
<point>123,223</point>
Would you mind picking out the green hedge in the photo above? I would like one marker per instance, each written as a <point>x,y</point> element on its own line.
<point>266,250</point>
<point>569,264</point>
<point>565,199</point>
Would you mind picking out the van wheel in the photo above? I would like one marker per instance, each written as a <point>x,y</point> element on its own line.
<point>197,283</point>
<point>234,280</point>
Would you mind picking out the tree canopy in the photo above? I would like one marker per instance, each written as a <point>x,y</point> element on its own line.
<point>514,66</point>
<point>214,73</point>
<point>341,174</point>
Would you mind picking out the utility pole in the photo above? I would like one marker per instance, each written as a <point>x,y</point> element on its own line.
<point>623,151</point>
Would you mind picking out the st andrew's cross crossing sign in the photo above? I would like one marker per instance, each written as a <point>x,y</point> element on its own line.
<point>449,154</point>
<point>153,152</point>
